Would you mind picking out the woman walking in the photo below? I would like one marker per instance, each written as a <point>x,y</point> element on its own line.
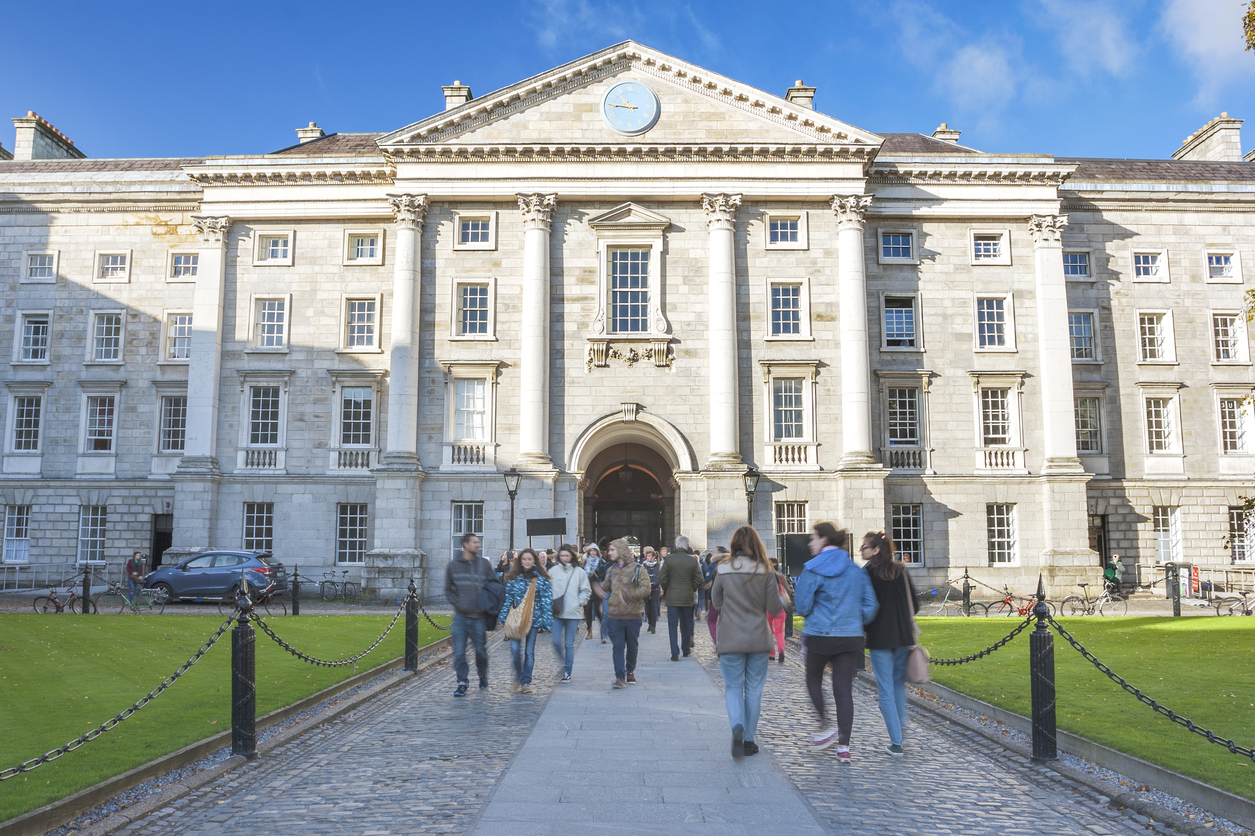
<point>836,598</point>
<point>592,561</point>
<point>571,588</point>
<point>891,633</point>
<point>525,572</point>
<point>777,621</point>
<point>745,592</point>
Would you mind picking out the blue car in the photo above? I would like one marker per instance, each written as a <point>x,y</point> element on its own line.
<point>214,574</point>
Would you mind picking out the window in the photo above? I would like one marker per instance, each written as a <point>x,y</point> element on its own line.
<point>1166,522</point>
<point>40,267</point>
<point>184,265</point>
<point>995,323</point>
<point>100,416</point>
<point>1160,432</point>
<point>1224,266</point>
<point>990,246</point>
<point>782,230</point>
<point>1081,336</point>
<point>629,289</point>
<point>259,526</point>
<point>17,543</point>
<point>790,519</point>
<point>1233,426</point>
<point>995,417</point>
<point>470,390</point>
<point>351,533</point>
<point>114,266</point>
<point>475,231</point>
<point>906,526</point>
<point>1241,535</point>
<point>1076,266</point>
<point>468,518</point>
<point>1088,430</point>
<point>356,415</point>
<point>173,435</point>
<point>27,413</point>
<point>786,309</point>
<point>787,408</point>
<point>263,422</point>
<point>363,247</point>
<point>1150,266</point>
<point>899,317</point>
<point>92,524</point>
<point>896,246</point>
<point>473,309</point>
<point>470,409</point>
<point>359,323</point>
<point>1228,338</point>
<point>107,338</point>
<point>902,416</point>
<point>1000,526</point>
<point>1155,339</point>
<point>33,340</point>
<point>273,248</point>
<point>785,231</point>
<point>178,336</point>
<point>270,323</point>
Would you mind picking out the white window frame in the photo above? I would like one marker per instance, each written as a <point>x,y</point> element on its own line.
<point>1241,338</point>
<point>1009,307</point>
<point>92,316</point>
<point>1095,329</point>
<point>341,507</point>
<point>123,278</point>
<point>1100,462</point>
<point>100,389</point>
<point>1170,462</point>
<point>456,532</point>
<point>1014,559</point>
<point>808,372</point>
<point>24,276</point>
<point>804,312</point>
<point>260,258</point>
<point>896,456</point>
<point>1235,264</point>
<point>1241,536</point>
<point>803,236</point>
<point>918,319</point>
<point>250,378</point>
<point>268,515</point>
<point>25,389</point>
<point>1175,547</point>
<point>1162,272</point>
<point>1089,264</point>
<point>22,316</point>
<point>161,425</point>
<point>345,348</point>
<point>1101,424</point>
<point>455,370</point>
<point>166,359</point>
<point>354,378</point>
<point>164,462</point>
<point>627,226</point>
<point>1169,336</point>
<point>489,215</point>
<point>1013,382</point>
<point>455,309</point>
<point>919,558</point>
<point>173,279</point>
<point>252,340</point>
<point>368,261</point>
<point>1004,255</point>
<point>788,523</point>
<point>84,514</point>
<point>1244,415</point>
<point>881,258</point>
<point>8,518</point>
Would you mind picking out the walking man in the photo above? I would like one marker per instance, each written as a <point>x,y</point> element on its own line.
<point>681,579</point>
<point>653,603</point>
<point>464,577</point>
<point>627,586</point>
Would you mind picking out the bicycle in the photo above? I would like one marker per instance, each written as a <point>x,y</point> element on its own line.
<point>52,602</point>
<point>330,589</point>
<point>267,600</point>
<point>946,608</point>
<point>117,598</point>
<point>1236,606</point>
<point>1105,604</point>
<point>1012,606</point>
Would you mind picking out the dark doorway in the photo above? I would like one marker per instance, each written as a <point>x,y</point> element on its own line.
<point>163,536</point>
<point>1098,536</point>
<point>628,502</point>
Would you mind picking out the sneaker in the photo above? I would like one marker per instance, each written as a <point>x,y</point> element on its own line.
<point>894,749</point>
<point>771,658</point>
<point>517,684</point>
<point>566,678</point>
<point>688,653</point>
<point>619,683</point>
<point>461,689</point>
<point>526,689</point>
<point>843,755</point>
<point>603,641</point>
<point>822,741</point>
<point>780,658</point>
<point>738,741</point>
<point>631,680</point>
<point>483,686</point>
<point>751,748</point>
<point>675,658</point>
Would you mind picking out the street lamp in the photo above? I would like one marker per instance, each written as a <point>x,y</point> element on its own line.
<point>512,478</point>
<point>751,477</point>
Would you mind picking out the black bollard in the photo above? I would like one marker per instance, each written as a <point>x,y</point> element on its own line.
<point>243,686</point>
<point>1041,672</point>
<point>1173,578</point>
<point>967,595</point>
<point>296,590</point>
<point>411,629</point>
<point>87,590</point>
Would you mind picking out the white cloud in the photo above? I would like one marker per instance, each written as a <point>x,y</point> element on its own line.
<point>1091,34</point>
<point>1207,37</point>
<point>562,22</point>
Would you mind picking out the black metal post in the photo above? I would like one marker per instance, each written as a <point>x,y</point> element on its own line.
<point>967,595</point>
<point>87,589</point>
<point>243,685</point>
<point>296,590</point>
<point>411,629</point>
<point>1174,588</point>
<point>749,508</point>
<point>511,520</point>
<point>1041,672</point>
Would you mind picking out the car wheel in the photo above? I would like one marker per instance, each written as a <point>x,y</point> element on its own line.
<point>167,591</point>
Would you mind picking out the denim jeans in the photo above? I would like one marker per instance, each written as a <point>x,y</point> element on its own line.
<point>625,637</point>
<point>744,675</point>
<point>564,630</point>
<point>681,618</point>
<point>134,586</point>
<point>472,626</point>
<point>889,666</point>
<point>523,653</point>
<point>605,616</point>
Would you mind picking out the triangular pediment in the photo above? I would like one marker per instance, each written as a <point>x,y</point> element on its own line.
<point>629,217</point>
<point>561,109</point>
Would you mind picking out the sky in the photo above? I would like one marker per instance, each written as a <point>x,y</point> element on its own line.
<point>1082,78</point>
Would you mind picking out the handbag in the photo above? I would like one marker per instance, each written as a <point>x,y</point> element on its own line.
<point>559,601</point>
<point>917,659</point>
<point>519,621</point>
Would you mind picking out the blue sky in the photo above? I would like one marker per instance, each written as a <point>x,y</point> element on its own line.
<point>1103,78</point>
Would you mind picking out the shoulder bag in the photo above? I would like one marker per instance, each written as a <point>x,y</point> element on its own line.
<point>519,621</point>
<point>559,601</point>
<point>917,658</point>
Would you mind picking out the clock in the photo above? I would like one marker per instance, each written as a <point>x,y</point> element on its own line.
<point>629,108</point>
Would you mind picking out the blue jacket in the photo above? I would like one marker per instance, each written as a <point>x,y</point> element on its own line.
<point>542,608</point>
<point>835,595</point>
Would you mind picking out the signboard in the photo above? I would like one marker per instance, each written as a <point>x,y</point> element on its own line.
<point>546,527</point>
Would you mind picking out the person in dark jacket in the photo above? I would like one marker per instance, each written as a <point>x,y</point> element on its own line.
<point>891,634</point>
<point>653,604</point>
<point>464,577</point>
<point>681,578</point>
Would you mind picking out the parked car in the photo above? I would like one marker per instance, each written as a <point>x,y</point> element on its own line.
<point>214,574</point>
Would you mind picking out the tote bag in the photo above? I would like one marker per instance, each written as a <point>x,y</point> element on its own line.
<point>917,659</point>
<point>519,620</point>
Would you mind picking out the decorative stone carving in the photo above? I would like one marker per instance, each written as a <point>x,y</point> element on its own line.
<point>409,209</point>
<point>721,209</point>
<point>601,353</point>
<point>537,210</point>
<point>1047,229</point>
<point>629,411</point>
<point>211,230</point>
<point>850,210</point>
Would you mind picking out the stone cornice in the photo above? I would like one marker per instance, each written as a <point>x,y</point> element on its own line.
<point>925,172</point>
<point>603,152</point>
<point>289,175</point>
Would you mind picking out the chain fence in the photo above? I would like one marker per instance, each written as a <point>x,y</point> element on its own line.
<point>427,616</point>
<point>995,646</point>
<point>329,663</point>
<point>52,755</point>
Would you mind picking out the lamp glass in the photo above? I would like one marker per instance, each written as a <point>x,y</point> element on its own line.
<point>512,478</point>
<point>751,480</point>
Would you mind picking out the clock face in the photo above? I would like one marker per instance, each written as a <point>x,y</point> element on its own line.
<point>630,108</point>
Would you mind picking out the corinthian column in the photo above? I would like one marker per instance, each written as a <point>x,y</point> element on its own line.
<point>1058,417</point>
<point>856,437</point>
<point>725,440</point>
<point>537,212</point>
<point>403,359</point>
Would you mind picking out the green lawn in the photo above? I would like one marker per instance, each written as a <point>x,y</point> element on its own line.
<point>1202,668</point>
<point>61,675</point>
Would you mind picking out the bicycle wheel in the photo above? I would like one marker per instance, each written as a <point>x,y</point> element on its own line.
<point>1073,605</point>
<point>45,604</point>
<point>1114,607</point>
<point>274,606</point>
<point>937,610</point>
<point>977,610</point>
<point>329,590</point>
<point>110,602</point>
<point>158,599</point>
<point>76,605</point>
<point>352,590</point>
<point>1000,608</point>
<point>1224,606</point>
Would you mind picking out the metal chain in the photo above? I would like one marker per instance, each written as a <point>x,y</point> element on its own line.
<point>326,663</point>
<point>427,616</point>
<point>1211,736</point>
<point>113,721</point>
<point>987,650</point>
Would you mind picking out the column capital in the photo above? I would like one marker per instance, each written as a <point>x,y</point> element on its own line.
<point>1047,229</point>
<point>211,230</point>
<point>850,210</point>
<point>721,209</point>
<point>409,209</point>
<point>537,210</point>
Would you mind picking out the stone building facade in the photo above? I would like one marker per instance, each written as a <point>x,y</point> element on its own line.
<point>630,279</point>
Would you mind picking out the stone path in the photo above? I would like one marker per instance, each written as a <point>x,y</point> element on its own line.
<point>582,758</point>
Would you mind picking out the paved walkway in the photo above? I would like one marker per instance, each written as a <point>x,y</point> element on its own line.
<point>582,758</point>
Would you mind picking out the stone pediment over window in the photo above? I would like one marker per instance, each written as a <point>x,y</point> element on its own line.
<point>628,218</point>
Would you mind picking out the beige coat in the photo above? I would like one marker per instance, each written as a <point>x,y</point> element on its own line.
<point>743,598</point>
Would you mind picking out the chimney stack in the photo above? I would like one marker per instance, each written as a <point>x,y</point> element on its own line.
<point>801,95</point>
<point>456,94</point>
<point>309,134</point>
<point>1219,141</point>
<point>38,140</point>
<point>947,134</point>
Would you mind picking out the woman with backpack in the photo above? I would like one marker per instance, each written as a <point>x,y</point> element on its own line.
<point>744,593</point>
<point>891,634</point>
<point>571,592</point>
<point>526,574</point>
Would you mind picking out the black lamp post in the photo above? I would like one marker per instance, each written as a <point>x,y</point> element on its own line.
<point>512,478</point>
<point>751,477</point>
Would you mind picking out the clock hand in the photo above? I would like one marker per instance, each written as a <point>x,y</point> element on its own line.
<point>630,107</point>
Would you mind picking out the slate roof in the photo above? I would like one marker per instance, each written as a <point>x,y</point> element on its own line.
<point>1159,171</point>
<point>71,166</point>
<point>920,144</point>
<point>335,145</point>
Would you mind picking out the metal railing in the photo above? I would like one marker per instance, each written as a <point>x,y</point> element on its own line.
<point>16,577</point>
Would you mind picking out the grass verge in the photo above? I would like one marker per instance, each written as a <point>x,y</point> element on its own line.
<point>61,676</point>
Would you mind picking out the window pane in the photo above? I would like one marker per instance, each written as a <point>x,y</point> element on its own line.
<point>995,414</point>
<point>351,533</point>
<point>1225,329</point>
<point>179,337</point>
<point>359,323</point>
<point>1159,435</point>
<point>903,416</point>
<point>1232,425</point>
<point>1241,535</point>
<point>112,267</point>
<point>92,522</point>
<point>783,230</point>
<point>26,415</point>
<point>1146,265</point>
<point>895,245</point>
<point>1076,265</point>
<point>185,265</point>
<point>787,408</point>
<point>1166,523</point>
<point>473,309</point>
<point>356,407</point>
<point>1151,336</point>
<point>1000,524</point>
<point>986,247</point>
<point>629,290</point>
<point>991,322</point>
<point>363,246</point>
<point>1088,433</point>
<point>173,424</point>
<point>471,409</point>
<point>790,519</point>
<point>34,338</point>
<point>100,412</point>
<point>263,415</point>
<point>907,529</point>
<point>900,321</point>
<point>17,542</point>
<point>474,230</point>
<point>259,526</point>
<point>271,323</point>
<point>786,309</point>
<point>107,338</point>
<point>1081,335</point>
<point>274,248</point>
<point>468,518</point>
<point>39,267</point>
